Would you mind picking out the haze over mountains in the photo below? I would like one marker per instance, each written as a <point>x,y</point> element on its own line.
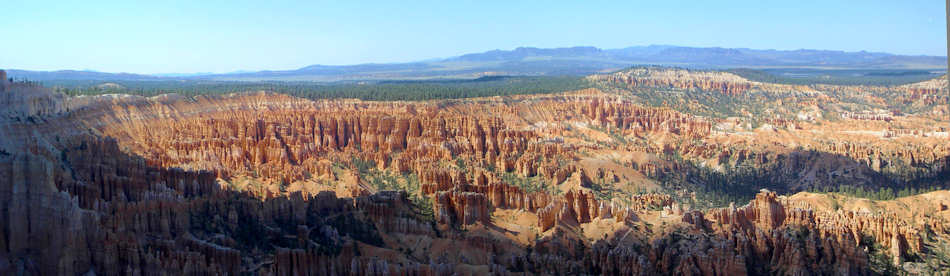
<point>545,61</point>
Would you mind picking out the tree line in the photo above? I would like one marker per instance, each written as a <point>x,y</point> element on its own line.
<point>373,91</point>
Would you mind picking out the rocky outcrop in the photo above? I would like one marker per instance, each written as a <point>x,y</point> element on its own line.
<point>4,82</point>
<point>848,229</point>
<point>725,83</point>
<point>461,208</point>
<point>28,101</point>
<point>242,184</point>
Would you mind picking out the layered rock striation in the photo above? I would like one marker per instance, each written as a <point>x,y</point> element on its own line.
<point>274,185</point>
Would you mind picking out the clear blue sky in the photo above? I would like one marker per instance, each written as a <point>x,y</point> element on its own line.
<point>224,36</point>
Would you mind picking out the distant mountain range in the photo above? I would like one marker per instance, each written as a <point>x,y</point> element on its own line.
<point>553,61</point>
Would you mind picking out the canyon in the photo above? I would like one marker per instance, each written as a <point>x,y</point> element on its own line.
<point>593,181</point>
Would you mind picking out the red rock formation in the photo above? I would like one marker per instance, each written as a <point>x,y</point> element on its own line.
<point>462,208</point>
<point>768,213</point>
<point>129,185</point>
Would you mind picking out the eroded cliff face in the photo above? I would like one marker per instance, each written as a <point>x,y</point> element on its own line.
<point>550,184</point>
<point>725,83</point>
<point>859,132</point>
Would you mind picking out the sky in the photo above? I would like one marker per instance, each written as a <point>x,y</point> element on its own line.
<point>224,36</point>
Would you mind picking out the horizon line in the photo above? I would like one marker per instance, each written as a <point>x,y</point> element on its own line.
<point>436,59</point>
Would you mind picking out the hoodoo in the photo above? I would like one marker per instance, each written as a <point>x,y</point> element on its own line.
<point>579,182</point>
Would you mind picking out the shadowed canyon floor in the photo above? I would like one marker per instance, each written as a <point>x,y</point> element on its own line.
<point>596,181</point>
